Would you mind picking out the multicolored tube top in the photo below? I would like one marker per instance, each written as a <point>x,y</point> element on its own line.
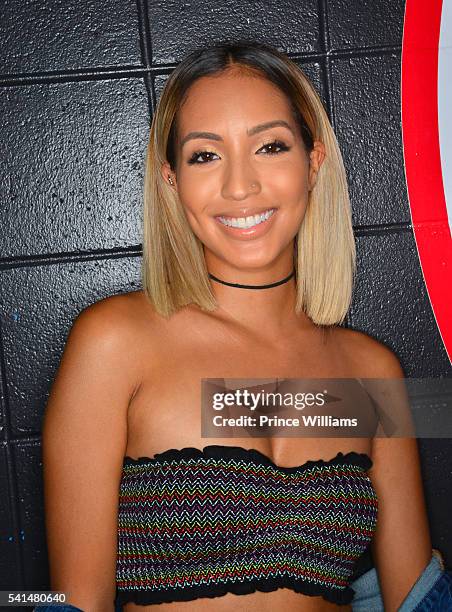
<point>202,523</point>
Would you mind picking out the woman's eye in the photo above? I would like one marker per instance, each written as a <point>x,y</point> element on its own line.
<point>204,157</point>
<point>194,159</point>
<point>276,144</point>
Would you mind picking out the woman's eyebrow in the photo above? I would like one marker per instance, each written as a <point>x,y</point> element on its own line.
<point>254,130</point>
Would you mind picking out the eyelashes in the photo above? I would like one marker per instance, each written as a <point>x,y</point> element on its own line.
<point>275,144</point>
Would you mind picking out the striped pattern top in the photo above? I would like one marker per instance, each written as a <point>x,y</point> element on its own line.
<point>201,523</point>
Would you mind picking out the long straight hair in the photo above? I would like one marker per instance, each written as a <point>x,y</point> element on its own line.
<point>174,272</point>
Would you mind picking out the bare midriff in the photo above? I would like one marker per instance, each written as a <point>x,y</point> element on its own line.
<point>282,600</point>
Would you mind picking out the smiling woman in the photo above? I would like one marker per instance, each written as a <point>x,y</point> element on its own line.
<point>248,268</point>
<point>235,136</point>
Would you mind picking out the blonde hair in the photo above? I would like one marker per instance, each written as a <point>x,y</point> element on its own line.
<point>174,272</point>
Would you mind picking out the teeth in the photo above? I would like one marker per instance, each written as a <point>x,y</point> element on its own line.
<point>246,222</point>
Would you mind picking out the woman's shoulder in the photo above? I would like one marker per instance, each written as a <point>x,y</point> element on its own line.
<point>109,322</point>
<point>369,357</point>
<point>125,310</point>
<point>126,320</point>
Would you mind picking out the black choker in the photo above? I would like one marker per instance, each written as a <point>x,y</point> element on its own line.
<point>281,282</point>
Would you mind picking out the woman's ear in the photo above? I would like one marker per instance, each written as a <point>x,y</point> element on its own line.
<point>168,175</point>
<point>316,157</point>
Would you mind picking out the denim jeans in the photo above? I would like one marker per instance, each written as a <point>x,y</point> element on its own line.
<point>432,592</point>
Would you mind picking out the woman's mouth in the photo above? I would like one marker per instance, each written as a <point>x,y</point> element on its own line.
<point>246,222</point>
<point>251,226</point>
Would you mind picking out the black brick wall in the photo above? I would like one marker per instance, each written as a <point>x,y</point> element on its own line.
<point>79,81</point>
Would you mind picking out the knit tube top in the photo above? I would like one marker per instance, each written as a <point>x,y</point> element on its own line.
<point>202,523</point>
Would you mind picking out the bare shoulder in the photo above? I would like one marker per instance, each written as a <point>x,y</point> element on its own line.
<point>117,328</point>
<point>117,317</point>
<point>84,440</point>
<point>368,357</point>
<point>104,312</point>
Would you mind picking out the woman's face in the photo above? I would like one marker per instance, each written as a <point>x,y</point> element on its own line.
<point>243,182</point>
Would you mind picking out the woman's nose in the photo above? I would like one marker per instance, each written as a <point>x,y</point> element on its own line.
<point>240,181</point>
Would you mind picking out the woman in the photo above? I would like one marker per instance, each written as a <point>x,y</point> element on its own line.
<point>245,189</point>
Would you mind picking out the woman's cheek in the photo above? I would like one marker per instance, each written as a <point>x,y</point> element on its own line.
<point>291,201</point>
<point>196,195</point>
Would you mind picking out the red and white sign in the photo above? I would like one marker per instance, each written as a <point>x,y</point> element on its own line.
<point>427,145</point>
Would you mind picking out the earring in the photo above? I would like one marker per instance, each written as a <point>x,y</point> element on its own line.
<point>170,180</point>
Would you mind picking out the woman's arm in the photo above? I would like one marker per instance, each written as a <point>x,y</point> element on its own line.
<point>84,441</point>
<point>401,546</point>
